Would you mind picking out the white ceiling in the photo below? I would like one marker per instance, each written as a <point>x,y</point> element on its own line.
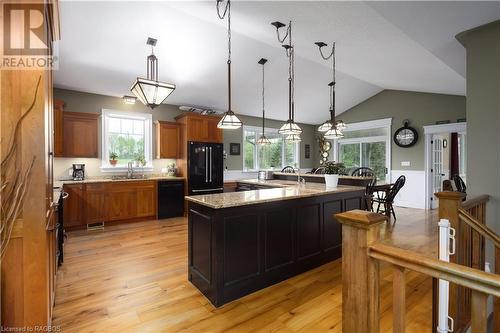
<point>380,45</point>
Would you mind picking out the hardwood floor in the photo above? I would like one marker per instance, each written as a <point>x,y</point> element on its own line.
<point>133,278</point>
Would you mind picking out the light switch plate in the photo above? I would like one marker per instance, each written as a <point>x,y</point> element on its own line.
<point>405,163</point>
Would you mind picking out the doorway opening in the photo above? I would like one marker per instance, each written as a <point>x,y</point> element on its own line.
<point>445,157</point>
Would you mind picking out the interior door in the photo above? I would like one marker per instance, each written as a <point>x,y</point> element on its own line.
<point>437,168</point>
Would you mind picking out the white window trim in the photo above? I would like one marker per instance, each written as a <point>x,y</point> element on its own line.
<point>258,131</point>
<point>364,125</point>
<point>148,140</point>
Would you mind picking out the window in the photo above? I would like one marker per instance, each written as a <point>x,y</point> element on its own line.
<point>367,144</point>
<point>128,135</point>
<point>276,156</point>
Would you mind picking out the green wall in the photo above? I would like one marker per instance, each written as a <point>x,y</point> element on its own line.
<point>483,116</point>
<point>86,102</point>
<point>420,108</point>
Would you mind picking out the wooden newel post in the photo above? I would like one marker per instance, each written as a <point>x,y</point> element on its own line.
<point>449,203</point>
<point>360,273</point>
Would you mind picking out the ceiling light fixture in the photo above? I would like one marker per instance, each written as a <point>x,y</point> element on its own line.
<point>229,119</point>
<point>290,127</point>
<point>150,91</point>
<point>263,140</point>
<point>129,99</point>
<point>332,129</point>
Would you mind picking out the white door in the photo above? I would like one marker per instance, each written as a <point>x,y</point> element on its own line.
<point>437,168</point>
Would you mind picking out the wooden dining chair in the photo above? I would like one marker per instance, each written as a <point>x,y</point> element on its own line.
<point>369,196</point>
<point>363,172</point>
<point>288,169</point>
<point>388,201</point>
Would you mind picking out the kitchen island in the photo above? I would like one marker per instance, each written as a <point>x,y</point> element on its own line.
<point>241,242</point>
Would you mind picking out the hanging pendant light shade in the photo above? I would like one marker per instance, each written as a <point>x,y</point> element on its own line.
<point>332,129</point>
<point>263,140</point>
<point>229,119</point>
<point>293,138</point>
<point>150,91</point>
<point>290,128</point>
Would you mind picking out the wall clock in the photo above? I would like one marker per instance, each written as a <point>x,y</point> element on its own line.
<point>406,136</point>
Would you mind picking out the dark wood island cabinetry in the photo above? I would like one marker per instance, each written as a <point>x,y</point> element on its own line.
<point>245,241</point>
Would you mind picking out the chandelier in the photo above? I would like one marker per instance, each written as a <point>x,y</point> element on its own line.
<point>151,91</point>
<point>331,128</point>
<point>290,128</point>
<point>229,119</point>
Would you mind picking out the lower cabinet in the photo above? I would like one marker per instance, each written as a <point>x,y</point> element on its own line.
<point>109,201</point>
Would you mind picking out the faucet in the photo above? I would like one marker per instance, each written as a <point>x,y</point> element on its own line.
<point>300,180</point>
<point>130,170</point>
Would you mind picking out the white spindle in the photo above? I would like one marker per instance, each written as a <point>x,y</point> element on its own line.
<point>446,239</point>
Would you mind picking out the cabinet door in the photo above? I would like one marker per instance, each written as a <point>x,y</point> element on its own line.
<point>95,203</point>
<point>197,129</point>
<point>121,201</point>
<point>146,199</point>
<point>58,128</point>
<point>215,133</point>
<point>80,134</point>
<point>73,205</point>
<point>167,140</point>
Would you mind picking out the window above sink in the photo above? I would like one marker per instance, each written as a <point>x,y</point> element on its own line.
<point>129,136</point>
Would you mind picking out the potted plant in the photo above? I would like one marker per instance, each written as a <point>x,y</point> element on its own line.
<point>113,158</point>
<point>332,172</point>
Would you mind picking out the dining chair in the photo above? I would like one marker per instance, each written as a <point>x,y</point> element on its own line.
<point>460,185</point>
<point>319,171</point>
<point>288,169</point>
<point>363,172</point>
<point>369,197</point>
<point>388,201</point>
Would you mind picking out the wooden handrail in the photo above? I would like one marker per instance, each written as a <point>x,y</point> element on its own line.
<point>465,276</point>
<point>482,199</point>
<point>482,229</point>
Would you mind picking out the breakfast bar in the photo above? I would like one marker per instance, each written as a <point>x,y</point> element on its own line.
<point>241,242</point>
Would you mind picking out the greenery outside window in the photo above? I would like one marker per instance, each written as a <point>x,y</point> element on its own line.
<point>128,135</point>
<point>275,156</point>
<point>366,144</point>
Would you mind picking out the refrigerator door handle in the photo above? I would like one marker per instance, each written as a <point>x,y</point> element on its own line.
<point>208,190</point>
<point>211,164</point>
<point>206,165</point>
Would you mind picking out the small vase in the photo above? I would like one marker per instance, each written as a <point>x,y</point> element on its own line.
<point>331,181</point>
<point>113,162</point>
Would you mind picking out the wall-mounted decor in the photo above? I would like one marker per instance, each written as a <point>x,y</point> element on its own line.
<point>445,143</point>
<point>405,136</point>
<point>307,151</point>
<point>234,148</point>
<point>324,148</point>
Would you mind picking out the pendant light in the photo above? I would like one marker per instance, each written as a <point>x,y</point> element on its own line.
<point>290,128</point>
<point>150,91</point>
<point>331,128</point>
<point>229,119</point>
<point>263,140</point>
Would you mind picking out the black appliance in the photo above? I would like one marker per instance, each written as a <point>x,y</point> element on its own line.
<point>170,199</point>
<point>78,171</point>
<point>205,168</point>
<point>59,228</point>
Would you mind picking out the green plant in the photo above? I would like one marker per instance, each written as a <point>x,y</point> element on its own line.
<point>332,168</point>
<point>113,156</point>
<point>141,159</point>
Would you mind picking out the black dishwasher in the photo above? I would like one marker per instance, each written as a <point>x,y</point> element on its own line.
<point>170,199</point>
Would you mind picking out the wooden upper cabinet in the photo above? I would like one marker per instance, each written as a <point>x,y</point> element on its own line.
<point>75,133</point>
<point>80,134</point>
<point>58,127</point>
<point>201,128</point>
<point>167,139</point>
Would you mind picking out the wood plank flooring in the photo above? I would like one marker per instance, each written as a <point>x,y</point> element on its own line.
<point>133,278</point>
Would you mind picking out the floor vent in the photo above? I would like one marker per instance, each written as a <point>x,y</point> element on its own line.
<point>95,226</point>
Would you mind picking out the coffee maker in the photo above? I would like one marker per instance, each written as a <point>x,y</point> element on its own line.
<point>78,171</point>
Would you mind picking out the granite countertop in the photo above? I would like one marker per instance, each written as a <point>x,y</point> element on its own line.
<point>317,175</point>
<point>60,183</point>
<point>284,190</point>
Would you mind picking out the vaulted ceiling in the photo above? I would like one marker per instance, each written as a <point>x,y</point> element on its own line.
<point>380,45</point>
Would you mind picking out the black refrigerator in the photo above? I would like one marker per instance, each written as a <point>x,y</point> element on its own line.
<point>205,168</point>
